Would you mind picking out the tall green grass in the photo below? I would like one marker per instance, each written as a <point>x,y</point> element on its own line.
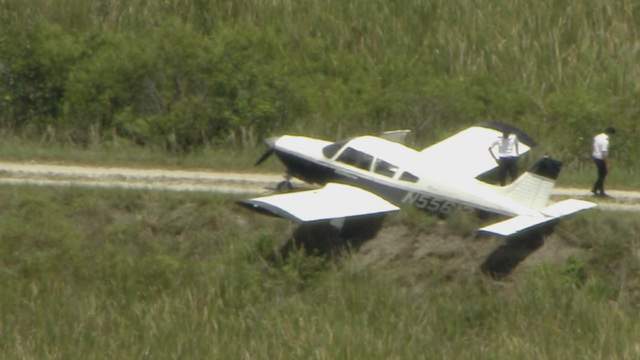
<point>117,274</point>
<point>124,153</point>
<point>560,69</point>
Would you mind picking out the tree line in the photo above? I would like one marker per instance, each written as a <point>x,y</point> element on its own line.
<point>182,74</point>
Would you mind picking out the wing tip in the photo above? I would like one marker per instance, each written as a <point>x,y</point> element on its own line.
<point>523,137</point>
<point>266,209</point>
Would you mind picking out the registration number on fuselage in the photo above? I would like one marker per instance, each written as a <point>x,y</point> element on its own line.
<point>429,203</point>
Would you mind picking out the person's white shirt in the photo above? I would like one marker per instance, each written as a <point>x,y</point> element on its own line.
<point>507,147</point>
<point>600,146</point>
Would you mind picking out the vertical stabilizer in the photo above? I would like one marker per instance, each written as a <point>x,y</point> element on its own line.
<point>533,188</point>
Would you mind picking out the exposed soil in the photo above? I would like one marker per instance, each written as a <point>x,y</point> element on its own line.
<point>454,255</point>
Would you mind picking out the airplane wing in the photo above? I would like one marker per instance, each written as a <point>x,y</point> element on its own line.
<point>547,215</point>
<point>466,154</point>
<point>333,201</point>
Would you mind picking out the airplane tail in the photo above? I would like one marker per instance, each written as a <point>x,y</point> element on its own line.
<point>533,188</point>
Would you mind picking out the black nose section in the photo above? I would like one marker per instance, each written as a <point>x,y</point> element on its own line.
<point>271,143</point>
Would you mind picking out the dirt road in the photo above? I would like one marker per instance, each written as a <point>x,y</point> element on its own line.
<point>206,181</point>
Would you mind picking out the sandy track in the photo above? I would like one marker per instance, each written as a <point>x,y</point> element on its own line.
<point>12,173</point>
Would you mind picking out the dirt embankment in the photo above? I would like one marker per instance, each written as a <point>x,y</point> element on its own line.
<point>394,244</point>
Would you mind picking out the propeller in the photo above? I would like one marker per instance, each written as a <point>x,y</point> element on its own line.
<point>271,142</point>
<point>264,156</point>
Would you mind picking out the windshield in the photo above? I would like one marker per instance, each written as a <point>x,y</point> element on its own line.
<point>356,158</point>
<point>331,150</point>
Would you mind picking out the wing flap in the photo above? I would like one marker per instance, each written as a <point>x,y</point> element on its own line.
<point>547,215</point>
<point>330,202</point>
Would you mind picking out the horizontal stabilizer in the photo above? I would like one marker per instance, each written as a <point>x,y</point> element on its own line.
<point>330,202</point>
<point>547,215</point>
<point>515,225</point>
<point>567,207</point>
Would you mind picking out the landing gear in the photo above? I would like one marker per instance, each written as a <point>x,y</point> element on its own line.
<point>285,185</point>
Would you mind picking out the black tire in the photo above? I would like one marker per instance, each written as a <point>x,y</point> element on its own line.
<point>284,186</point>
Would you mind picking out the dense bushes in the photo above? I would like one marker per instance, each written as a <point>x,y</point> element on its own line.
<point>183,74</point>
<point>34,67</point>
<point>170,86</point>
<point>179,88</point>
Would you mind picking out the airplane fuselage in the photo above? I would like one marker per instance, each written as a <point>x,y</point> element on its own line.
<point>307,163</point>
<point>371,176</point>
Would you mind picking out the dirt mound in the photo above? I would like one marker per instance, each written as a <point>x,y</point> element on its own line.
<point>409,253</point>
<point>439,251</point>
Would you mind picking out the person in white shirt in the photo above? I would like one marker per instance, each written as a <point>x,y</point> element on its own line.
<point>600,154</point>
<point>507,158</point>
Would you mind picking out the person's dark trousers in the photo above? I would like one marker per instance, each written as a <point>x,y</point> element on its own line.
<point>507,166</point>
<point>598,186</point>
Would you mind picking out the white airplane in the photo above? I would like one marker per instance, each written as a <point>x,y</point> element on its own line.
<point>371,176</point>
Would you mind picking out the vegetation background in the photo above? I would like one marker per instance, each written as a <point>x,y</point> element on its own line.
<point>119,274</point>
<point>183,75</point>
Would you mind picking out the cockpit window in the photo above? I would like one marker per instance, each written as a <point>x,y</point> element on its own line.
<point>384,168</point>
<point>330,150</point>
<point>356,158</point>
<point>407,176</point>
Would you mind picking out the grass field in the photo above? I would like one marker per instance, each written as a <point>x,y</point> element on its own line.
<point>126,154</point>
<point>115,274</point>
<point>118,274</point>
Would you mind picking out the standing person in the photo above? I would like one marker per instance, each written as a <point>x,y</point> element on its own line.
<point>600,154</point>
<point>507,158</point>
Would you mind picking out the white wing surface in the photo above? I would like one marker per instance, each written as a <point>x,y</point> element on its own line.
<point>330,202</point>
<point>515,225</point>
<point>547,215</point>
<point>466,154</point>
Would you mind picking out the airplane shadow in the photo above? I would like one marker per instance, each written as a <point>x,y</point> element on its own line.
<point>324,239</point>
<point>503,260</point>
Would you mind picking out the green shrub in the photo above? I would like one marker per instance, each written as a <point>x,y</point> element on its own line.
<point>182,90</point>
<point>186,74</point>
<point>34,64</point>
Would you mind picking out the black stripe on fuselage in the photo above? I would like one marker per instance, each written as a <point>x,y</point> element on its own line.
<point>305,169</point>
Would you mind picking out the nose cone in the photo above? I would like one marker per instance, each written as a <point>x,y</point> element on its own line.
<point>271,142</point>
<point>301,146</point>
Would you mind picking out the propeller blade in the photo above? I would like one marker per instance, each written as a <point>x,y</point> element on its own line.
<point>264,156</point>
